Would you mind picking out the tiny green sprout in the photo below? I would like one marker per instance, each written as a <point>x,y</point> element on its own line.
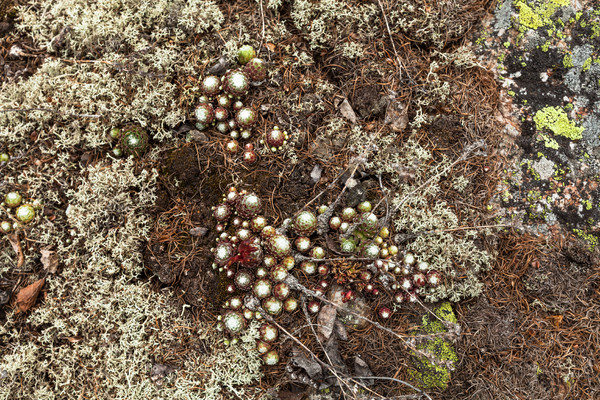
<point>364,207</point>
<point>13,199</point>
<point>246,53</point>
<point>25,213</point>
<point>4,157</point>
<point>37,205</point>
<point>5,226</point>
<point>115,133</point>
<point>117,152</point>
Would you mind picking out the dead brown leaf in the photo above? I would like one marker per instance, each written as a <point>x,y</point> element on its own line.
<point>326,319</point>
<point>27,296</point>
<point>347,111</point>
<point>49,260</point>
<point>13,238</point>
<point>396,116</point>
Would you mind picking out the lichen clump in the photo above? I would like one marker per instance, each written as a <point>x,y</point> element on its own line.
<point>426,373</point>
<point>555,119</point>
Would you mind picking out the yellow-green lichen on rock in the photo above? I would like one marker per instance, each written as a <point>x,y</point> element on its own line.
<point>536,14</point>
<point>556,120</point>
<point>426,374</point>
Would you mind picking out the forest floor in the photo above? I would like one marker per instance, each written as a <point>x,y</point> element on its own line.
<point>471,127</point>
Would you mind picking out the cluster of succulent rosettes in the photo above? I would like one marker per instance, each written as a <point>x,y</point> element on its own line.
<point>221,104</point>
<point>360,233</point>
<point>409,277</point>
<point>24,212</point>
<point>362,237</point>
<point>255,259</point>
<point>131,140</point>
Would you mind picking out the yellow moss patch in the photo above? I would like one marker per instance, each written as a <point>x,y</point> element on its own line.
<point>425,373</point>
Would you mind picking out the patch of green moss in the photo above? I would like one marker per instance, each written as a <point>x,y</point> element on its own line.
<point>557,121</point>
<point>426,374</point>
<point>568,61</point>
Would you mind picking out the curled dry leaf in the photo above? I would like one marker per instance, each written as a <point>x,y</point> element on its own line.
<point>13,238</point>
<point>325,321</point>
<point>396,116</point>
<point>27,296</point>
<point>49,260</point>
<point>347,111</point>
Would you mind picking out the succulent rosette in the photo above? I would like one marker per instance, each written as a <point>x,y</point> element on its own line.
<point>245,117</point>
<point>243,280</point>
<point>223,253</point>
<point>13,199</point>
<point>275,138</point>
<point>222,212</point>
<point>235,83</point>
<point>246,53</point>
<point>278,245</point>
<point>262,288</point>
<point>281,291</point>
<point>268,333</point>
<point>234,322</point>
<point>249,205</point>
<point>256,69</point>
<point>305,223</point>
<point>273,306</point>
<point>271,357</point>
<point>210,86</point>
<point>221,114</point>
<point>134,141</point>
<point>25,213</point>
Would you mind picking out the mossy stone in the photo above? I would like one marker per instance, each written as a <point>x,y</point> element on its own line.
<point>426,374</point>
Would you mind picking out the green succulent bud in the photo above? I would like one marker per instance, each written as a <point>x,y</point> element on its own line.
<point>25,213</point>
<point>13,199</point>
<point>115,133</point>
<point>246,53</point>
<point>6,226</point>
<point>4,157</point>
